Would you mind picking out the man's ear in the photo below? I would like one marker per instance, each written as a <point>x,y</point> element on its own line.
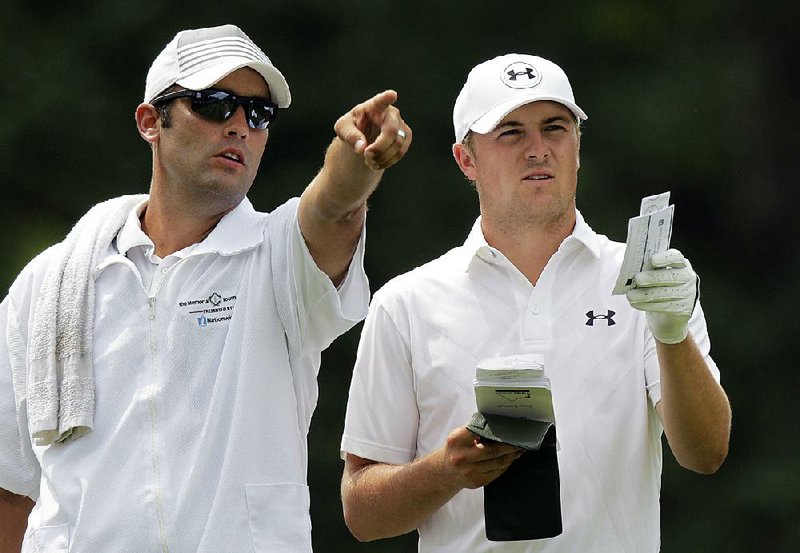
<point>147,122</point>
<point>466,161</point>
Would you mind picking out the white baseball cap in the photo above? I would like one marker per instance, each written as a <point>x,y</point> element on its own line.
<point>198,58</point>
<point>497,87</point>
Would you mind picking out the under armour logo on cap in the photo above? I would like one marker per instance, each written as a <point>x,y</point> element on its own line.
<point>500,85</point>
<point>521,75</point>
<point>591,318</point>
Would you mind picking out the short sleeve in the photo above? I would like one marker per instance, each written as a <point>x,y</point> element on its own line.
<point>19,469</point>
<point>382,417</point>
<point>313,311</point>
<point>699,331</point>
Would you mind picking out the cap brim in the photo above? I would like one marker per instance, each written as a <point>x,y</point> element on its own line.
<point>489,120</point>
<point>278,87</point>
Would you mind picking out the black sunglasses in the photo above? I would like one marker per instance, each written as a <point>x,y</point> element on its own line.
<point>218,105</point>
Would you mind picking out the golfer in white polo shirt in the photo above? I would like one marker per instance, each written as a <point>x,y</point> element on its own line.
<point>531,281</point>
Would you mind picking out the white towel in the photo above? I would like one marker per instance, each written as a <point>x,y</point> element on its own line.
<point>60,376</point>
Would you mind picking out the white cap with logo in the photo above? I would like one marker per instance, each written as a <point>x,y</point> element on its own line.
<point>198,58</point>
<point>500,85</point>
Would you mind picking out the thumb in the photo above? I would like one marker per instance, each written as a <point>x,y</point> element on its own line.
<point>347,130</point>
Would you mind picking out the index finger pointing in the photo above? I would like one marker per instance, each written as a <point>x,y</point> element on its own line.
<point>381,101</point>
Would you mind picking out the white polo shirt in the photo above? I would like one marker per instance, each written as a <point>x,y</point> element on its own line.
<point>205,387</point>
<point>412,385</point>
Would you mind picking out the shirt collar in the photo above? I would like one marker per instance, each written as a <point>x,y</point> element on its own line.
<point>240,229</point>
<point>131,235</point>
<point>584,234</point>
<point>476,247</point>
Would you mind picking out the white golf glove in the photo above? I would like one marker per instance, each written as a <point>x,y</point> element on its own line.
<point>667,293</point>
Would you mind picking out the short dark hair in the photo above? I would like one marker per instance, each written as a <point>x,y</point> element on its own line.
<point>467,142</point>
<point>163,108</point>
<point>163,111</point>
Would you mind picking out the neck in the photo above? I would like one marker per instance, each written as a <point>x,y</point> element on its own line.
<point>529,248</point>
<point>172,227</point>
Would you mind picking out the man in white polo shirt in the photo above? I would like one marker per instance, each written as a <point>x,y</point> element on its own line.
<point>158,367</point>
<point>531,280</point>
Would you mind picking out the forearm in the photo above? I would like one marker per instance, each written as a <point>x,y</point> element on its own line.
<point>346,179</point>
<point>382,501</point>
<point>369,138</point>
<point>14,511</point>
<point>694,408</point>
<point>333,207</point>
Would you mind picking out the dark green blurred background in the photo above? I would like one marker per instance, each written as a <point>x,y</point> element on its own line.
<point>692,97</point>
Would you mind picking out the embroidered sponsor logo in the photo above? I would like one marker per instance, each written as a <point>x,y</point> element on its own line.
<point>215,308</point>
<point>521,75</point>
<point>608,318</point>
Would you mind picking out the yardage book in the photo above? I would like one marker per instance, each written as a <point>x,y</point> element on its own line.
<point>515,406</point>
<point>514,386</point>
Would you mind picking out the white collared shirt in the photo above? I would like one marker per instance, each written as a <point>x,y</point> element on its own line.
<point>134,244</point>
<point>205,386</point>
<point>413,384</point>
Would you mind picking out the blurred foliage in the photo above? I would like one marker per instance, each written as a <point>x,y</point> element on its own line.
<point>692,97</point>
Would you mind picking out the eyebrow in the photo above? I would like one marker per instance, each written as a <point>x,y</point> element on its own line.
<point>555,119</point>
<point>514,124</point>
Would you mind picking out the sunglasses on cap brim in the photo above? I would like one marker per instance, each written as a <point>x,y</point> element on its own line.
<point>218,105</point>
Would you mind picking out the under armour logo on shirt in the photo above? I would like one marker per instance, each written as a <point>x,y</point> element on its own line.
<point>608,318</point>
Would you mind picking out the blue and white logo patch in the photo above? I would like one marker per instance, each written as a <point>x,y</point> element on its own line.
<point>215,308</point>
